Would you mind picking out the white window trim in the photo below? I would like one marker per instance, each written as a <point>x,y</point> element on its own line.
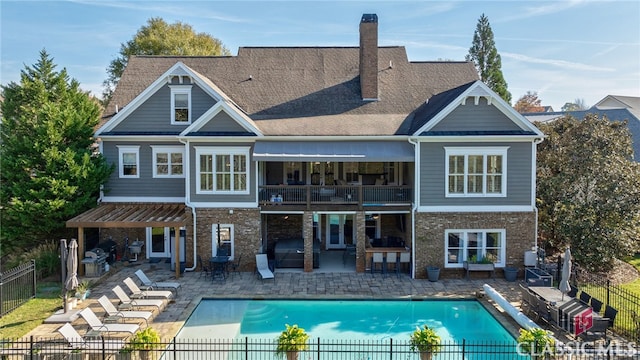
<point>214,239</point>
<point>484,151</point>
<point>168,150</point>
<point>180,89</point>
<point>465,232</point>
<point>213,151</point>
<point>122,149</point>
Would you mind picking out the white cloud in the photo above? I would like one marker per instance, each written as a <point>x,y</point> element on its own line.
<point>554,62</point>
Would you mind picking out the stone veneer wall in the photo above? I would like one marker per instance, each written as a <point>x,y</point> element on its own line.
<point>246,232</point>
<point>520,229</point>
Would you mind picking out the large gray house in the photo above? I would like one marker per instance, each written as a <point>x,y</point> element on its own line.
<point>301,151</point>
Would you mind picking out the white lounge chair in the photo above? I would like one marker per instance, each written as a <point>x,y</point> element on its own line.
<point>138,293</point>
<point>153,285</point>
<point>76,341</point>
<point>127,302</point>
<point>114,314</point>
<point>96,325</point>
<point>262,266</point>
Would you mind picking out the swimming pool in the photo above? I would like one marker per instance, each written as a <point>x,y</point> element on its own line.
<point>454,320</point>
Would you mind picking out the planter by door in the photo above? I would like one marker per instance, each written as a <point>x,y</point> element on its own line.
<point>433,273</point>
<point>510,274</point>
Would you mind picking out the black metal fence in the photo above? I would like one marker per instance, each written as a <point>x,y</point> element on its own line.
<point>626,302</point>
<point>245,349</point>
<point>17,286</point>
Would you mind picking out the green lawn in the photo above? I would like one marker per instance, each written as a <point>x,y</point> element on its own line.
<point>28,316</point>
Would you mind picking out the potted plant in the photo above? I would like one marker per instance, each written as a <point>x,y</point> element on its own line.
<point>537,342</point>
<point>124,353</point>
<point>426,341</point>
<point>82,290</point>
<point>144,341</point>
<point>291,341</point>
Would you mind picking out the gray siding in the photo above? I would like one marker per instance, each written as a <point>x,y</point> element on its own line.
<point>432,176</point>
<point>222,122</point>
<point>145,185</point>
<point>155,113</point>
<point>481,117</point>
<point>251,176</point>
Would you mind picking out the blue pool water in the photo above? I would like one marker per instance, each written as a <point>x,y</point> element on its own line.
<point>454,320</point>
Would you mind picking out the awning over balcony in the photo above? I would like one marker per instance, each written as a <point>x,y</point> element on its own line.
<point>353,151</point>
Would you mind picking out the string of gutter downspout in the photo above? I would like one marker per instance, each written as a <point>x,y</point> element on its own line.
<point>193,212</point>
<point>414,206</point>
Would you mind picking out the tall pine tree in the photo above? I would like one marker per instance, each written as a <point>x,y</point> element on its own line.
<point>49,167</point>
<point>485,56</point>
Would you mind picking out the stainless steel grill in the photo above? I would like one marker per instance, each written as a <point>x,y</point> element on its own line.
<point>94,262</point>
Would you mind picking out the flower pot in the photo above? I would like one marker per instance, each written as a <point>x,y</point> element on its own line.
<point>510,274</point>
<point>433,273</point>
<point>292,355</point>
<point>426,355</point>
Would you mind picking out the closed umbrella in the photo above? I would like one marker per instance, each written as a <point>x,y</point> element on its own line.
<point>71,282</point>
<point>564,286</point>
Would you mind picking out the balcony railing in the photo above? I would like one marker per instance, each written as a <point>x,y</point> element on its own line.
<point>361,195</point>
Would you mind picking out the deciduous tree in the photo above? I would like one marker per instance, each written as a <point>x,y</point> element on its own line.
<point>50,168</point>
<point>159,38</point>
<point>484,54</point>
<point>529,103</point>
<point>588,191</point>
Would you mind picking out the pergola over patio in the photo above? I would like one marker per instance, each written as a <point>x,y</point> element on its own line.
<point>131,215</point>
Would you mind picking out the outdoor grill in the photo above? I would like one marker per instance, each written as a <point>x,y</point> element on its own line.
<point>94,262</point>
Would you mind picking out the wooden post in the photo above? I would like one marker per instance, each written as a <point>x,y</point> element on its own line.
<point>80,251</point>
<point>177,247</point>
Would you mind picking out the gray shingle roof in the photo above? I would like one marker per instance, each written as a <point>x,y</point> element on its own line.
<point>309,90</point>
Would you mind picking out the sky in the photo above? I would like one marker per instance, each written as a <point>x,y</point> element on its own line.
<point>562,50</point>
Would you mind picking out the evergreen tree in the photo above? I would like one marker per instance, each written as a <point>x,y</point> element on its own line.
<point>485,56</point>
<point>159,38</point>
<point>50,169</point>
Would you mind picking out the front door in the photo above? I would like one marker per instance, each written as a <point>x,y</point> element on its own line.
<point>339,229</point>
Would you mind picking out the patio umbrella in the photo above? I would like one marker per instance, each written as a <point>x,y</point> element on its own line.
<point>564,286</point>
<point>71,283</point>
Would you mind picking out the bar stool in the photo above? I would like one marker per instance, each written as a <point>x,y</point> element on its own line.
<point>405,258</point>
<point>392,258</point>
<point>377,258</point>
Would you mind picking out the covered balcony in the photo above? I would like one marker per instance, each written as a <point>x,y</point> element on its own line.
<point>333,175</point>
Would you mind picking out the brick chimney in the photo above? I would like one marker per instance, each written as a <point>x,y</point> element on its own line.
<point>369,57</point>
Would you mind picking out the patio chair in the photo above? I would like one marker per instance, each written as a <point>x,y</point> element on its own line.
<point>113,314</point>
<point>262,267</point>
<point>76,341</point>
<point>405,260</point>
<point>597,331</point>
<point>205,269</point>
<point>235,266</point>
<point>138,293</point>
<point>596,305</point>
<point>573,291</point>
<point>585,298</point>
<point>542,311</point>
<point>96,325</point>
<point>529,302</point>
<point>610,314</point>
<point>127,302</point>
<point>153,285</point>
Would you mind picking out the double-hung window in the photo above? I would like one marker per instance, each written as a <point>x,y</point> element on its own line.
<point>222,170</point>
<point>473,245</point>
<point>129,161</point>
<point>168,161</point>
<point>180,104</point>
<point>476,171</point>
